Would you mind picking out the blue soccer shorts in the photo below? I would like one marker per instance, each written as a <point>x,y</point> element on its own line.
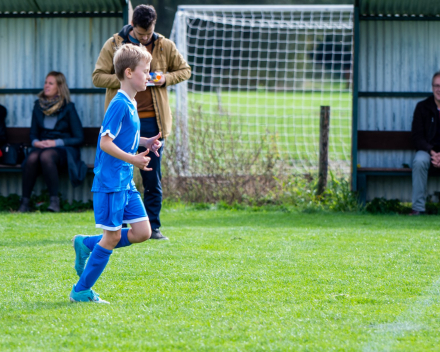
<point>113,209</point>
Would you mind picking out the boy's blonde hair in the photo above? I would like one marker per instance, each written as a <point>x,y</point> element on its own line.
<point>129,56</point>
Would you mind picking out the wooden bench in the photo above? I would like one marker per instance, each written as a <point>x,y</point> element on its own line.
<point>383,140</point>
<point>21,135</point>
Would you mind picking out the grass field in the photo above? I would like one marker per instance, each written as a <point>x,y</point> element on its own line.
<point>227,281</point>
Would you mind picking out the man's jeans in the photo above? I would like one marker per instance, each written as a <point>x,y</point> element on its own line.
<point>151,180</point>
<point>420,168</point>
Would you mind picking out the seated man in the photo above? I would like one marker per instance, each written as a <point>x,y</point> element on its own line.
<point>426,138</point>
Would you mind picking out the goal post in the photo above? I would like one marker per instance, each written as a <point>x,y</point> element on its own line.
<point>260,75</point>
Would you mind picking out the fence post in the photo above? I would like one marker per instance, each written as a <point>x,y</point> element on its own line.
<point>324,127</point>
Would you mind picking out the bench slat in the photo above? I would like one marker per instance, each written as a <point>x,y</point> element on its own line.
<point>383,169</point>
<point>384,140</point>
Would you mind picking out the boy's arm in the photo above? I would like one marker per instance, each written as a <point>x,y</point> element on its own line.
<point>140,160</point>
<point>152,143</point>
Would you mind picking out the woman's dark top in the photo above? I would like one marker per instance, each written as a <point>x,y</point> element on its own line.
<point>68,128</point>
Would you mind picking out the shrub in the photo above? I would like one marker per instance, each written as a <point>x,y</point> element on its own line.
<point>41,202</point>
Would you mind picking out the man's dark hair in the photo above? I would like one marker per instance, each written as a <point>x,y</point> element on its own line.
<point>435,75</point>
<point>144,16</point>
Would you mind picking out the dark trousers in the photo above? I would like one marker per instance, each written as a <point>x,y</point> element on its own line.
<point>151,179</point>
<point>47,161</point>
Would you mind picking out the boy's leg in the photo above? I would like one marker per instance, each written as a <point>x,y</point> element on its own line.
<point>84,246</point>
<point>109,211</point>
<point>136,215</point>
<point>140,231</point>
<point>98,260</point>
<point>134,212</point>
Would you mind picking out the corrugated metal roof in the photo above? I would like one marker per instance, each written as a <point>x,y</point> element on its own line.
<point>51,6</point>
<point>400,7</point>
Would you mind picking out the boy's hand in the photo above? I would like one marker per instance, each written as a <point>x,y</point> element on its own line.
<point>141,160</point>
<point>153,143</point>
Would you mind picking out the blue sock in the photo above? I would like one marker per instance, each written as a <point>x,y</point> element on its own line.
<point>123,242</point>
<point>91,241</point>
<point>95,266</point>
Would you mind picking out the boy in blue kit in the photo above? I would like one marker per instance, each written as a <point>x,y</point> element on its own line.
<point>115,198</point>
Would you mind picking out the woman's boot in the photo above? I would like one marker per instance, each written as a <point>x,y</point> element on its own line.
<point>54,204</point>
<point>24,206</point>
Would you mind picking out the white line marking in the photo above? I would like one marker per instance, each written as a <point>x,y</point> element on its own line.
<point>386,335</point>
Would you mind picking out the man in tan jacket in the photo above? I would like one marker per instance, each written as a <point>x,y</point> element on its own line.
<point>152,104</point>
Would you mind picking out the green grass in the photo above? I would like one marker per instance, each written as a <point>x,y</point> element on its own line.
<point>293,118</point>
<point>227,281</point>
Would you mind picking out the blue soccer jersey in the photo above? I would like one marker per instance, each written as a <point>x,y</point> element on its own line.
<point>121,122</point>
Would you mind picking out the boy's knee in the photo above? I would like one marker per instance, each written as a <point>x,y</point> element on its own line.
<point>115,238</point>
<point>146,235</point>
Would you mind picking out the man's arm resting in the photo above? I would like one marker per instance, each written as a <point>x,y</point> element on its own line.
<point>418,130</point>
<point>102,75</point>
<point>178,68</point>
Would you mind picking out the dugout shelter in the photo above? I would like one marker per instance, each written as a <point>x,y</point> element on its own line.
<point>40,36</point>
<point>395,55</point>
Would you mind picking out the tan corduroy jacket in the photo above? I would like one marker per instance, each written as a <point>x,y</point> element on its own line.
<point>166,58</point>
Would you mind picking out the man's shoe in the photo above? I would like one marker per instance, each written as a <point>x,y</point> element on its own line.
<point>85,296</point>
<point>416,213</point>
<point>157,235</point>
<point>82,253</point>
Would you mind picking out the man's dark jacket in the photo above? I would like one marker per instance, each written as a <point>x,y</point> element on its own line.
<point>425,124</point>
<point>68,128</point>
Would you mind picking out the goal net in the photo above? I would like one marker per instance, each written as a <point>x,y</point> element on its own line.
<point>259,77</point>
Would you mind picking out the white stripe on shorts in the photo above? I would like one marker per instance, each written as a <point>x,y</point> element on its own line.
<point>99,226</point>
<point>132,221</point>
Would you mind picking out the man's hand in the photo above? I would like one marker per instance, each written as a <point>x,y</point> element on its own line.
<point>153,143</point>
<point>435,159</point>
<point>141,160</point>
<point>160,82</point>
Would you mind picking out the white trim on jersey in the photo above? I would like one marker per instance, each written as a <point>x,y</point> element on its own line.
<point>136,138</point>
<point>119,129</point>
<point>109,133</point>
<point>125,93</point>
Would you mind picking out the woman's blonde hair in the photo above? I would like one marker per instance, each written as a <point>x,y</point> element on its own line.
<point>63,89</point>
<point>129,56</point>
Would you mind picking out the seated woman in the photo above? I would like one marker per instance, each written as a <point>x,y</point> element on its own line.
<point>56,136</point>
